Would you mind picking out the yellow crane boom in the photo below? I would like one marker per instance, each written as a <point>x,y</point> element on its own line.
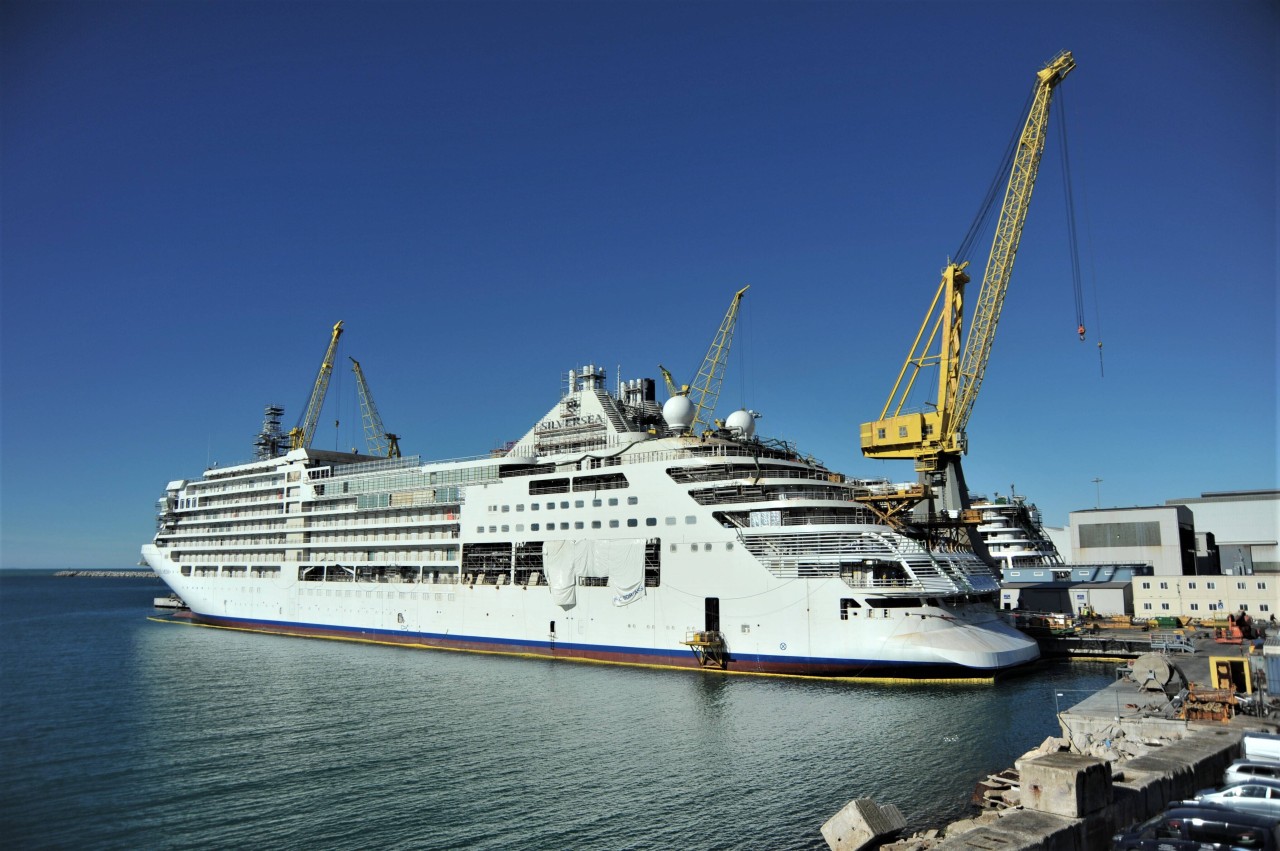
<point>381,443</point>
<point>705,390</point>
<point>672,388</point>
<point>934,437</point>
<point>300,436</point>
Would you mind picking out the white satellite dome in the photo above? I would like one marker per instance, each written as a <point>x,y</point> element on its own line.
<point>679,413</point>
<point>741,422</point>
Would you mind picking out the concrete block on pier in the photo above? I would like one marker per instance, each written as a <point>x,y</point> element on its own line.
<point>860,822</point>
<point>1173,772</point>
<point>1027,830</point>
<point>1065,784</point>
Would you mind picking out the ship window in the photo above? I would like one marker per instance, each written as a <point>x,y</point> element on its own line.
<point>631,521</point>
<point>613,524</point>
<point>596,503</point>
<point>577,503</point>
<point>533,527</point>
<point>671,521</point>
<point>533,507</point>
<point>690,520</point>
<point>673,547</point>
<point>1209,585</point>
<point>480,529</point>
<point>506,528</point>
<point>604,481</point>
<point>564,525</point>
<point>1164,606</point>
<point>577,524</point>
<point>1240,585</point>
<point>893,602</point>
<point>186,570</point>
<point>847,603</point>
<point>706,548</point>
<point>519,506</point>
<point>1195,607</point>
<point>519,527</point>
<point>595,524</point>
<point>1191,586</point>
<point>1165,585</point>
<point>1262,586</point>
<point>564,504</point>
<point>631,500</point>
<point>505,509</point>
<point>1146,605</point>
<point>729,545</point>
<point>651,521</point>
<point>549,486</point>
<point>493,529</point>
<point>613,500</point>
<point>1146,585</point>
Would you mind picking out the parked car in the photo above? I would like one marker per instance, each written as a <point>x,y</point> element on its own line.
<point>1256,796</point>
<point>1191,826</point>
<point>1250,769</point>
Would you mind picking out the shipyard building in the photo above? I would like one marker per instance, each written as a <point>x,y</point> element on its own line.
<point>1205,557</point>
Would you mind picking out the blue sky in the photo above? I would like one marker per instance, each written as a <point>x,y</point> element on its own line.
<point>489,194</point>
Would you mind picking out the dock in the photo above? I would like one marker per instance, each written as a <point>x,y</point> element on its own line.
<point>1167,728</point>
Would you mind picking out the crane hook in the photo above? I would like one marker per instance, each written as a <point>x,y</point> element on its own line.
<point>1080,331</point>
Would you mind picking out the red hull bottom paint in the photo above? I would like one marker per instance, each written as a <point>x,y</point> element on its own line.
<point>553,650</point>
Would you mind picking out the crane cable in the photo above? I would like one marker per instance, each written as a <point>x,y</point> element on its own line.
<point>1076,273</point>
<point>1073,243</point>
<point>982,219</point>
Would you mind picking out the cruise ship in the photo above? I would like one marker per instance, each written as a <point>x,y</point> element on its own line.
<point>1013,532</point>
<point>609,532</point>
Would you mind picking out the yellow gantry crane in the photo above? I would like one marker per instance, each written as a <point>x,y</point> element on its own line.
<point>936,438</point>
<point>300,436</point>
<point>705,390</point>
<point>381,443</point>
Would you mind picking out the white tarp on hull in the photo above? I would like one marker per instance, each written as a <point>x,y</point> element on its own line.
<point>620,561</point>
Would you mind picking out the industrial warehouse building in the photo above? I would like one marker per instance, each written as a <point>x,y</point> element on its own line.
<point>1207,557</point>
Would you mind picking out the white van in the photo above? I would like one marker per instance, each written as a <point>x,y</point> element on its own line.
<point>1260,747</point>
<point>1248,769</point>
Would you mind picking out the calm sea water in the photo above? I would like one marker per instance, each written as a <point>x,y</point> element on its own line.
<point>119,732</point>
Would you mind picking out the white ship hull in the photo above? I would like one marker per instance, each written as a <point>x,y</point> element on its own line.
<point>592,538</point>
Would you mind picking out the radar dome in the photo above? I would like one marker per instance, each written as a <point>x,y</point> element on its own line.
<point>679,413</point>
<point>741,422</point>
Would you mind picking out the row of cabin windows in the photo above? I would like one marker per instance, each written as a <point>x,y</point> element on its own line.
<point>632,523</point>
<point>1191,586</point>
<point>1213,607</point>
<point>550,506</point>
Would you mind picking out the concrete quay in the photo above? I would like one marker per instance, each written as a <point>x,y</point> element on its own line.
<point>1123,757</point>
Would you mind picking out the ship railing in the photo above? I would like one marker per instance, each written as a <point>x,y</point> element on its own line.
<point>690,475</point>
<point>722,496</point>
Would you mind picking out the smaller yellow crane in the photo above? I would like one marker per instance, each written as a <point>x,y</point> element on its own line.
<point>672,389</point>
<point>381,443</point>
